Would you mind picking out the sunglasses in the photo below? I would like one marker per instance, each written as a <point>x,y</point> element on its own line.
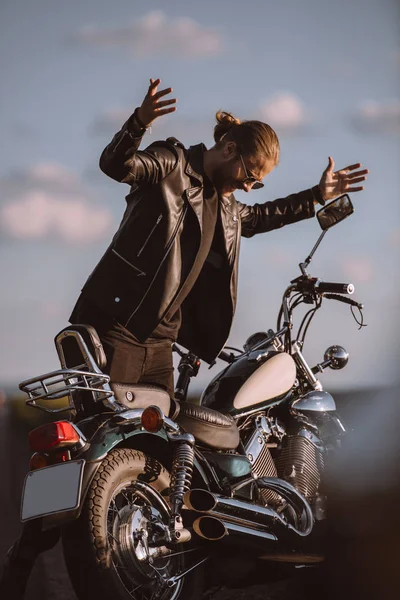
<point>250,179</point>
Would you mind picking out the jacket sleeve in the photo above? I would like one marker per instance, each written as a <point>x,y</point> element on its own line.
<point>123,161</point>
<point>260,218</point>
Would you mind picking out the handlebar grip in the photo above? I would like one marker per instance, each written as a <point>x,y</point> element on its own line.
<point>334,288</point>
<point>225,356</point>
<point>182,385</point>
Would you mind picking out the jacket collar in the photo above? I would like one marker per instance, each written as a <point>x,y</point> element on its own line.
<point>194,165</point>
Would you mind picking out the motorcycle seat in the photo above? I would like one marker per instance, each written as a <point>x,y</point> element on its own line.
<point>209,427</point>
<point>138,395</point>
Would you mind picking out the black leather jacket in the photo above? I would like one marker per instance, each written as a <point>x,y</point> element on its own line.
<point>139,276</point>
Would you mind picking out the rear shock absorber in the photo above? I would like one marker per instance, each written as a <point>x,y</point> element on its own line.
<point>181,476</point>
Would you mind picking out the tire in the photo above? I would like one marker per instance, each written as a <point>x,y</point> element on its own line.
<point>101,561</point>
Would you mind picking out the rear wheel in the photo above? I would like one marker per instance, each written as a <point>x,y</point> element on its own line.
<point>116,549</point>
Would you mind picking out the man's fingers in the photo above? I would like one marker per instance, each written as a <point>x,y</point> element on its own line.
<point>331,165</point>
<point>162,93</point>
<point>357,174</point>
<point>354,180</point>
<point>355,189</point>
<point>165,103</point>
<point>165,111</point>
<point>154,83</point>
<point>350,168</point>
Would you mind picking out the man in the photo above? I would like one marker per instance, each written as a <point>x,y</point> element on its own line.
<point>170,272</point>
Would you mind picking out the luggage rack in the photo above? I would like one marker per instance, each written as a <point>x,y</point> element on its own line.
<point>58,384</point>
<point>71,377</point>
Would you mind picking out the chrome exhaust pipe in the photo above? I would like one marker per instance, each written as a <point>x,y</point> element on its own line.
<point>213,529</point>
<point>210,528</point>
<point>231,510</point>
<point>258,519</point>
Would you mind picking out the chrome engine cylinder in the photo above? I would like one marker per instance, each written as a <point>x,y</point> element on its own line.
<point>301,463</point>
<point>261,460</point>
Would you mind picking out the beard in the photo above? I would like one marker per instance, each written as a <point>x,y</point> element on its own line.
<point>223,180</point>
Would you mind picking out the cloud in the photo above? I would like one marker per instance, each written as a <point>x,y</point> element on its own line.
<point>110,121</point>
<point>156,35</point>
<point>382,118</point>
<point>285,113</point>
<point>48,201</point>
<point>190,129</point>
<point>359,270</point>
<point>394,238</point>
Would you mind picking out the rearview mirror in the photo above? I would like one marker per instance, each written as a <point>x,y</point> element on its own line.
<point>335,211</point>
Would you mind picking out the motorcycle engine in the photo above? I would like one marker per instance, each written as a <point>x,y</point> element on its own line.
<point>301,463</point>
<point>297,458</point>
<point>257,447</point>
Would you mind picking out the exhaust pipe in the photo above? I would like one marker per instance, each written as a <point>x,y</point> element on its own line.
<point>260,520</point>
<point>210,528</point>
<point>213,529</point>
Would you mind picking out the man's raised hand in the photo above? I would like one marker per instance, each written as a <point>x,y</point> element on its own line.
<point>152,107</point>
<point>334,183</point>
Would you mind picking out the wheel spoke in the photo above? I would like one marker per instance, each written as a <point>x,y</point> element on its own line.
<point>114,538</point>
<point>178,553</point>
<point>126,498</point>
<point>114,507</point>
<point>135,589</point>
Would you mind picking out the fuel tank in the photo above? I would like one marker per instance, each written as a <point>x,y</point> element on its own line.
<point>257,379</point>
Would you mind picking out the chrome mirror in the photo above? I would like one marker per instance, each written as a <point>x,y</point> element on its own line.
<point>254,340</point>
<point>338,357</point>
<point>335,211</point>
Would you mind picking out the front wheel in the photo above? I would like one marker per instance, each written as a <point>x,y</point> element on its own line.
<point>115,549</point>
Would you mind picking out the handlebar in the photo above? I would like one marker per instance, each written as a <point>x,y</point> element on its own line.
<point>226,356</point>
<point>334,288</point>
<point>310,285</point>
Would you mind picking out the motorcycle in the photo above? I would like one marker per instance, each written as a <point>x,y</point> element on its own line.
<point>161,498</point>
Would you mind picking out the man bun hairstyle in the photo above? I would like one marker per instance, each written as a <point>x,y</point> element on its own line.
<point>225,122</point>
<point>253,138</point>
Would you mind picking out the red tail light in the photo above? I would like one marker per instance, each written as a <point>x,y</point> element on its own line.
<point>52,436</point>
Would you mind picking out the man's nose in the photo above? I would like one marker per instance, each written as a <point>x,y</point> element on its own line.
<point>247,187</point>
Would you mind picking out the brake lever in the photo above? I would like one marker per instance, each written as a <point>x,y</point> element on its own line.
<point>344,299</point>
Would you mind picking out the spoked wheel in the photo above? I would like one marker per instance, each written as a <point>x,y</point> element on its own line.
<point>117,548</point>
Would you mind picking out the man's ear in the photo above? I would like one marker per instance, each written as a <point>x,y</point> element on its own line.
<point>229,150</point>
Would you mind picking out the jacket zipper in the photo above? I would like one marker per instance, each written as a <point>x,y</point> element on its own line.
<point>168,248</point>
<point>128,263</point>
<point>149,236</point>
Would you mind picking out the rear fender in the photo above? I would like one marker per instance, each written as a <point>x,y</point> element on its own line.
<point>104,440</point>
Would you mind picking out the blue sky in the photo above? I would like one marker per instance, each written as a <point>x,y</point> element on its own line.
<point>325,75</point>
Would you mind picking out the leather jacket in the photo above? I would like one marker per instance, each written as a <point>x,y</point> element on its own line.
<point>139,276</point>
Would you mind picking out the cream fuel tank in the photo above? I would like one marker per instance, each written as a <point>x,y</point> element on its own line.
<point>257,379</point>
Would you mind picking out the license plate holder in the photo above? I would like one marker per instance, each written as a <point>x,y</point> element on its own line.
<point>53,489</point>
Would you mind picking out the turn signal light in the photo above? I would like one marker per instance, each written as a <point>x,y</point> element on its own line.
<point>152,419</point>
<point>38,461</point>
<point>52,436</point>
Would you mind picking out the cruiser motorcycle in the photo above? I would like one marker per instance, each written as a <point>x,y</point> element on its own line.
<point>160,498</point>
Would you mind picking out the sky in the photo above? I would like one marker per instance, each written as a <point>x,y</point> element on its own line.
<point>325,75</point>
